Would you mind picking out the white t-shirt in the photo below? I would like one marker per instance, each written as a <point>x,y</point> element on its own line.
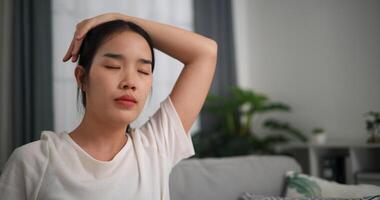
<point>55,167</point>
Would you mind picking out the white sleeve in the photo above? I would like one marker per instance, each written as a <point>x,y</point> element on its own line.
<point>166,130</point>
<point>22,174</point>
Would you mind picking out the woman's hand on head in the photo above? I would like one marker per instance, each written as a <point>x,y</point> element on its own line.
<point>82,29</point>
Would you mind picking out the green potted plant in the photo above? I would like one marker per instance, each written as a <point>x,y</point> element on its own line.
<point>233,133</point>
<point>318,136</point>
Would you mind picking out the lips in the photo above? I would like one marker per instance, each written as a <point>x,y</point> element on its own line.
<point>126,98</point>
<point>126,101</point>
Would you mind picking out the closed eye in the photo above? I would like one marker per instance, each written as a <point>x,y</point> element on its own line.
<point>143,72</point>
<point>112,67</point>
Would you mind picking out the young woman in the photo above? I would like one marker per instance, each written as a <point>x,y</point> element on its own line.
<point>100,159</point>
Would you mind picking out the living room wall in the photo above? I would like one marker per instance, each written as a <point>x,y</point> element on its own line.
<point>319,56</point>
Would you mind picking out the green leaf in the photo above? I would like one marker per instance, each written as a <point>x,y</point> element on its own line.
<point>286,128</point>
<point>232,133</point>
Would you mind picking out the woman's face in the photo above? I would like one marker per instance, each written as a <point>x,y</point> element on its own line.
<point>121,66</point>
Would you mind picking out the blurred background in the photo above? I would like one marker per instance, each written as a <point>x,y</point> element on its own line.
<point>287,70</point>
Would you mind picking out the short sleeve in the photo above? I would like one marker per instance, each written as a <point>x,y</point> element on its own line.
<point>12,184</point>
<point>166,130</point>
<point>22,173</point>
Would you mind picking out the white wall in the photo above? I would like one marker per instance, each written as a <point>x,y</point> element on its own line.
<point>322,57</point>
<point>67,13</point>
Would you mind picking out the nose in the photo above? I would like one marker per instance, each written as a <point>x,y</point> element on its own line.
<point>124,85</point>
<point>127,82</point>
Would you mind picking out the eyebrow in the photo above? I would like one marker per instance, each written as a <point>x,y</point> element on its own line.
<point>121,57</point>
<point>114,56</point>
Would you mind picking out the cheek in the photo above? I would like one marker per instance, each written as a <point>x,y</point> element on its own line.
<point>147,86</point>
<point>145,89</point>
<point>101,85</point>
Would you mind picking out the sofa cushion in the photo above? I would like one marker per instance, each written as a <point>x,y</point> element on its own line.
<point>251,196</point>
<point>227,178</point>
<point>302,185</point>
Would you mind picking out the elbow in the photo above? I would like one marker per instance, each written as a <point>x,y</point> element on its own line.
<point>207,52</point>
<point>211,50</point>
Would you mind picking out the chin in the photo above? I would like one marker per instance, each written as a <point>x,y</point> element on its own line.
<point>125,118</point>
<point>121,121</point>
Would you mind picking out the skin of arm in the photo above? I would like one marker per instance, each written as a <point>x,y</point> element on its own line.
<point>196,52</point>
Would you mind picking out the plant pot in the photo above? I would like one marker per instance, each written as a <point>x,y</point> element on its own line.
<point>319,138</point>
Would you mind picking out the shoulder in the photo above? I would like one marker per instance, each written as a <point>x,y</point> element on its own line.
<point>30,153</point>
<point>166,114</point>
<point>156,123</point>
<point>25,169</point>
<point>167,104</point>
<point>164,119</point>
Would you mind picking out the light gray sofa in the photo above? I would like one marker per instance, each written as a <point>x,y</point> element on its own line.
<point>228,178</point>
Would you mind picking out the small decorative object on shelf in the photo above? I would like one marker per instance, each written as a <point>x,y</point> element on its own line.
<point>318,136</point>
<point>373,126</point>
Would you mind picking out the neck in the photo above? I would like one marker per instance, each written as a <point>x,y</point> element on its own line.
<point>93,132</point>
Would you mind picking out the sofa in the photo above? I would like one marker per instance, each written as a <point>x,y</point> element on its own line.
<point>228,178</point>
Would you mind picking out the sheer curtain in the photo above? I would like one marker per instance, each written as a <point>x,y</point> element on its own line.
<point>69,12</point>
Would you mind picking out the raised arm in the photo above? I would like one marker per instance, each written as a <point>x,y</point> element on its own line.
<point>196,52</point>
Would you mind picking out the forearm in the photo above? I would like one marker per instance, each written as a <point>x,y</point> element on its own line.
<point>185,46</point>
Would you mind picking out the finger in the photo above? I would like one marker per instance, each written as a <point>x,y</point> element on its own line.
<point>68,53</point>
<point>74,59</point>
<point>76,48</point>
<point>79,26</point>
<point>83,29</point>
<point>79,37</point>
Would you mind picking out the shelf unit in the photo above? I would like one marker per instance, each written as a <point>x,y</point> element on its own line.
<point>360,162</point>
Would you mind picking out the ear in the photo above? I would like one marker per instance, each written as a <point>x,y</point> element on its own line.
<point>80,76</point>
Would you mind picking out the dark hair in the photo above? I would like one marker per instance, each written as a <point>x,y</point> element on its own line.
<point>97,36</point>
